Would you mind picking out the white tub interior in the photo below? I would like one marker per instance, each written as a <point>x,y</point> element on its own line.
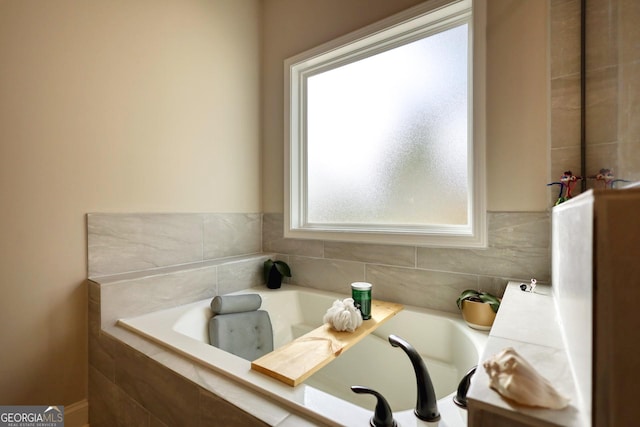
<point>447,345</point>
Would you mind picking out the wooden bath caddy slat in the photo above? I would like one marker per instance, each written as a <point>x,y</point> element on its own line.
<point>298,360</point>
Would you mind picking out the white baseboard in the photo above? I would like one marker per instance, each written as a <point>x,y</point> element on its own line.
<point>77,414</point>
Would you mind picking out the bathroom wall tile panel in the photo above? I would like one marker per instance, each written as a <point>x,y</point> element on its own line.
<point>629,35</point>
<point>295,420</point>
<point>101,355</point>
<point>272,227</point>
<point>602,105</point>
<point>131,414</point>
<point>430,289</point>
<point>565,111</point>
<point>273,240</point>
<point>565,37</point>
<point>493,285</point>
<point>123,341</point>
<point>129,298</point>
<point>215,411</point>
<point>232,234</point>
<point>403,256</point>
<point>161,391</point>
<point>119,243</point>
<point>519,229</point>
<point>103,400</point>
<point>155,422</point>
<point>302,247</point>
<point>242,398</point>
<point>93,290</point>
<point>233,392</point>
<point>630,101</point>
<point>326,274</point>
<point>602,33</point>
<point>629,161</point>
<point>240,275</point>
<point>517,263</point>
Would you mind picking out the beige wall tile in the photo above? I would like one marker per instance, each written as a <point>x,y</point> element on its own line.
<point>519,229</point>
<point>629,161</point>
<point>431,289</point>
<point>273,239</point>
<point>94,307</point>
<point>232,234</point>
<point>138,296</point>
<point>155,422</point>
<point>235,276</point>
<point>514,263</point>
<point>629,32</point>
<point>101,355</point>
<point>162,392</point>
<point>131,414</point>
<point>326,274</point>
<point>629,112</point>
<point>602,34</point>
<point>216,411</point>
<point>103,397</point>
<point>494,285</point>
<point>565,111</point>
<point>403,256</point>
<point>119,243</point>
<point>565,37</point>
<point>602,105</point>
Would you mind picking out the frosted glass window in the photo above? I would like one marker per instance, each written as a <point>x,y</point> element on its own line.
<point>382,141</point>
<point>387,136</point>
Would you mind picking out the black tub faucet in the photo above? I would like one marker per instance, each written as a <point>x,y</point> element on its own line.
<point>382,416</point>
<point>460,398</point>
<point>426,403</point>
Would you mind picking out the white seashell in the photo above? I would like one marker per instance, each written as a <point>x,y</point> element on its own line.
<point>343,315</point>
<point>515,379</point>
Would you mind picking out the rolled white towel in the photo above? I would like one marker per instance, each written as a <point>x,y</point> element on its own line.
<point>343,315</point>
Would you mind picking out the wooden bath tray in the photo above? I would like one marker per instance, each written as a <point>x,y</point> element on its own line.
<point>298,360</point>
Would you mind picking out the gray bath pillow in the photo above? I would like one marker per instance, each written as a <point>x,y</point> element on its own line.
<point>225,304</point>
<point>248,335</point>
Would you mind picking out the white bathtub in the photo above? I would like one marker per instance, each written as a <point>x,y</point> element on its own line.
<point>448,346</point>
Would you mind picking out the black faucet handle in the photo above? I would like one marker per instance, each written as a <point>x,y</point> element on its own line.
<point>382,416</point>
<point>460,398</point>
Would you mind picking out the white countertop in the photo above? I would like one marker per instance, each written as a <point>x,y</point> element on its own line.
<point>529,323</point>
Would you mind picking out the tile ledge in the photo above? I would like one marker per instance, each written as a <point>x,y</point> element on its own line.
<point>120,277</point>
<point>504,334</point>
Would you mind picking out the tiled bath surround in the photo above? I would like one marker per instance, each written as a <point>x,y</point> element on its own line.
<point>519,249</point>
<point>144,262</point>
<point>163,260</point>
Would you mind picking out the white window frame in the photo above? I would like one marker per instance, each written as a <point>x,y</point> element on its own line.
<point>431,16</point>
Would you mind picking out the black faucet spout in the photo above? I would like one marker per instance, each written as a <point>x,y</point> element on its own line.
<point>426,403</point>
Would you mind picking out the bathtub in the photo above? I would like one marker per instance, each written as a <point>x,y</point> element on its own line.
<point>448,346</point>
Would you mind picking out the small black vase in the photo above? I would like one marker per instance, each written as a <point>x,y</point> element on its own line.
<point>275,278</point>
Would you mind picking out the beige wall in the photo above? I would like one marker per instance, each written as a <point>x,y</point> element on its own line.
<point>517,105</point>
<point>517,95</point>
<point>118,106</point>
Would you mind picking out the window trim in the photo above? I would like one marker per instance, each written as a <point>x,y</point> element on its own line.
<point>404,25</point>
